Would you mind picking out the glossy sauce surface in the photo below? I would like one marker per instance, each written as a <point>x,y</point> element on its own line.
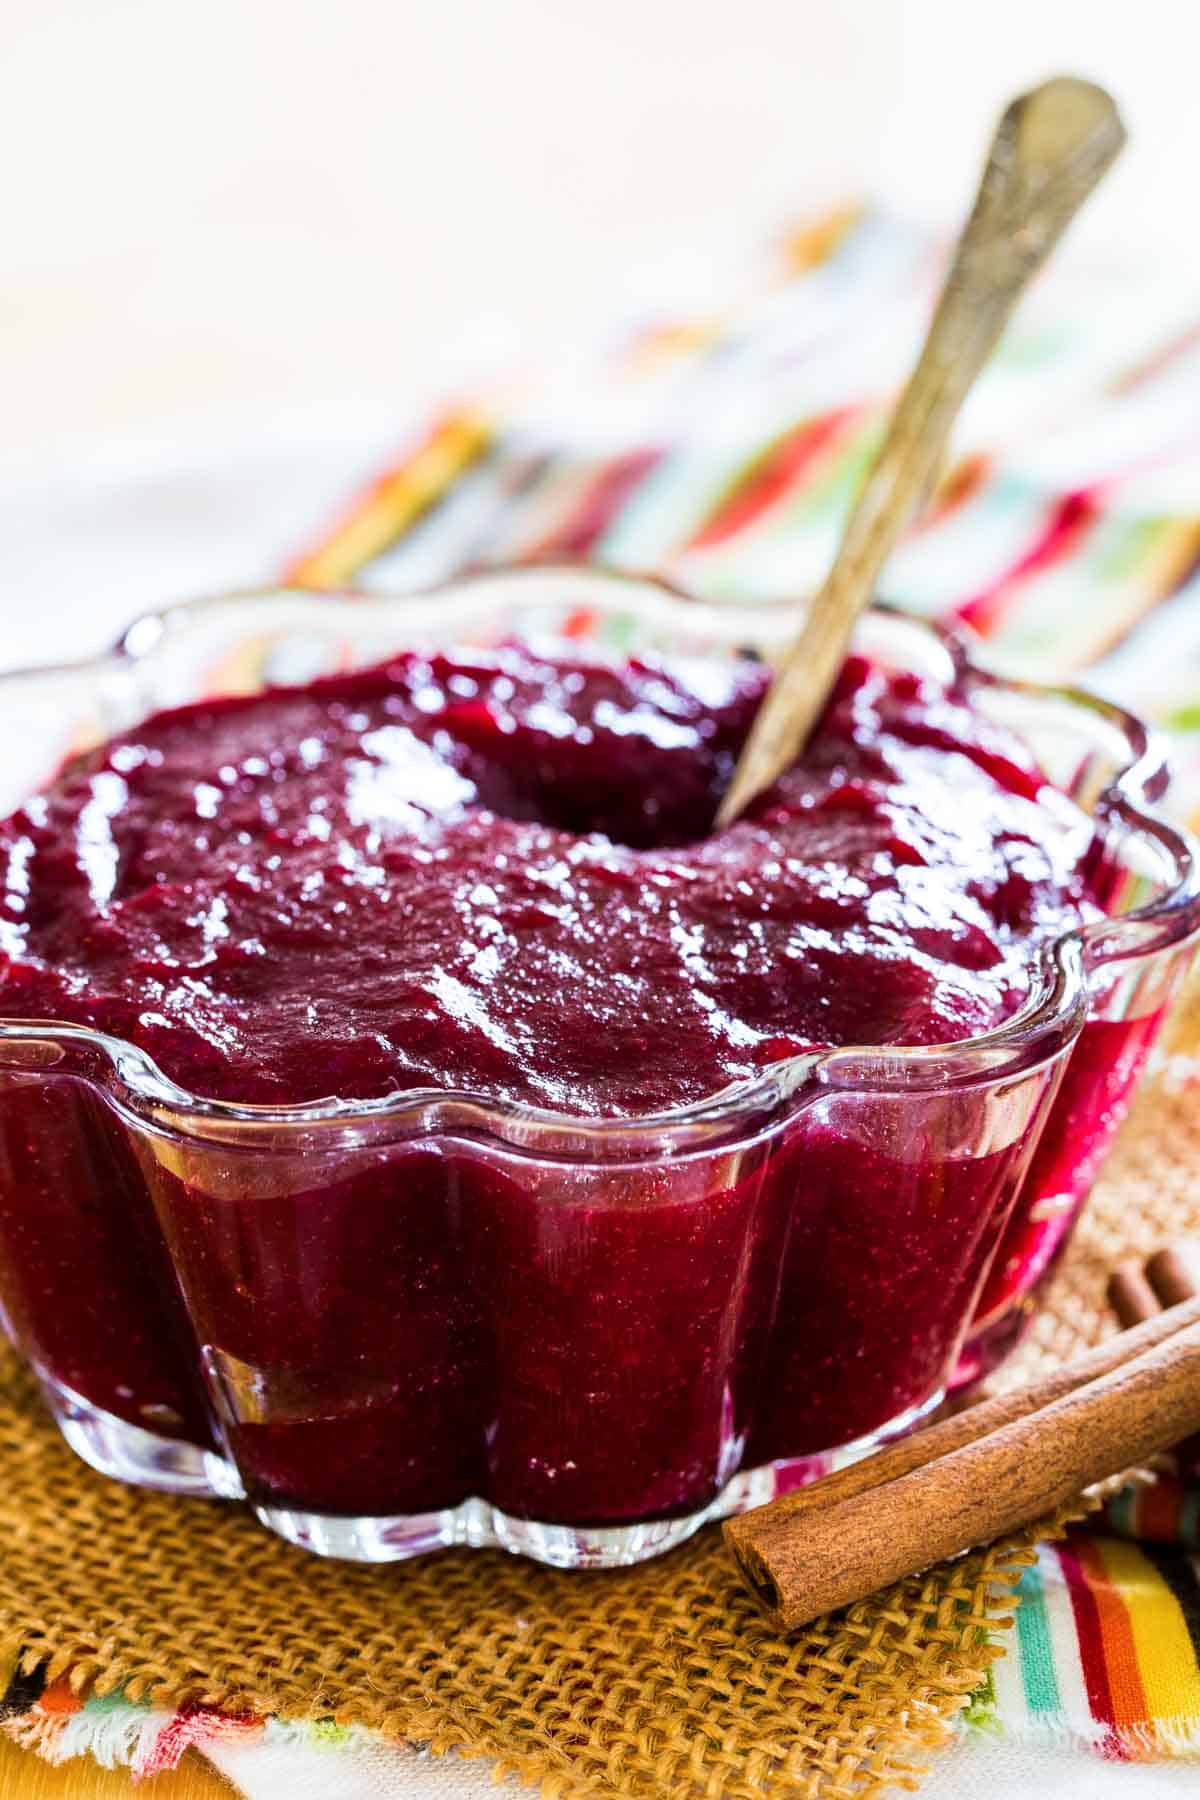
<point>495,872</point>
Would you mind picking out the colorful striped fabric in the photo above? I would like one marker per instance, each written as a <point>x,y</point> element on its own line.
<point>1167,1513</point>
<point>719,445</point>
<point>1105,1652</point>
<point>55,1722</point>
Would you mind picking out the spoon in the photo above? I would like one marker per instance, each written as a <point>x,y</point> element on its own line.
<point>1050,149</point>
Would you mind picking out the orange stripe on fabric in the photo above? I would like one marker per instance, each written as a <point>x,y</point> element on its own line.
<point>1162,1643</point>
<point>665,343</point>
<point>1180,558</point>
<point>1128,1696</point>
<point>962,481</point>
<point>813,244</point>
<point>395,500</point>
<point>804,248</point>
<point>60,1699</point>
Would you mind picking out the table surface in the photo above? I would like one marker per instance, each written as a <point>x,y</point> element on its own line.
<point>24,1776</point>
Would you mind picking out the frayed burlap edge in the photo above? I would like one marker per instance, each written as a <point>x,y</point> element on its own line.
<point>855,1704</point>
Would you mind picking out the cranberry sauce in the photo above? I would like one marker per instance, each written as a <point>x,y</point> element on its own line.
<point>585,1345</point>
<point>85,1280</point>
<point>1092,1102</point>
<point>496,873</point>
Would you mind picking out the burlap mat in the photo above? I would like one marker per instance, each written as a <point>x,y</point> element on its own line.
<point>660,1680</point>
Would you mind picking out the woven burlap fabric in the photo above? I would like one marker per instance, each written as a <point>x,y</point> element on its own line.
<point>661,1680</point>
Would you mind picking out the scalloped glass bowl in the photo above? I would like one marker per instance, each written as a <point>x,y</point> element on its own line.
<point>433,1319</point>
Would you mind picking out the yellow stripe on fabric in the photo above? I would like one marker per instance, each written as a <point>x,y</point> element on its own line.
<point>1178,553</point>
<point>661,344</point>
<point>812,244</point>
<point>802,249</point>
<point>1166,1659</point>
<point>397,500</point>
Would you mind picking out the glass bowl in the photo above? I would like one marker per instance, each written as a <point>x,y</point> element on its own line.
<point>436,1319</point>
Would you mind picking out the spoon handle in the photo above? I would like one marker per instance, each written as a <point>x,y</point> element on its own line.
<point>1050,149</point>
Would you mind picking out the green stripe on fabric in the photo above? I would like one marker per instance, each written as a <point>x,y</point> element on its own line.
<point>981,1709</point>
<point>1036,1650</point>
<point>1122,1511</point>
<point>328,1733</point>
<point>1131,541</point>
<point>1189,1517</point>
<point>114,1701</point>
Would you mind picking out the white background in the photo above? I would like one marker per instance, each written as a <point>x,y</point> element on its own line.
<point>248,212</point>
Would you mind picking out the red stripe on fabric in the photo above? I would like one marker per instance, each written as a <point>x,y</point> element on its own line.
<point>963,482</point>
<point>603,498</point>
<point>1158,1511</point>
<point>1090,1634</point>
<point>195,1725</point>
<point>1157,362</point>
<point>1069,521</point>
<point>769,477</point>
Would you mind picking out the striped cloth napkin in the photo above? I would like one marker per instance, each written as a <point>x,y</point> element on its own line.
<point>717,439</point>
<point>719,446</point>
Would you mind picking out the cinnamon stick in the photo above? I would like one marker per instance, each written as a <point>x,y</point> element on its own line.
<point>1131,1296</point>
<point>900,1458</point>
<point>866,1527</point>
<point>1140,1292</point>
<point>1174,1273</point>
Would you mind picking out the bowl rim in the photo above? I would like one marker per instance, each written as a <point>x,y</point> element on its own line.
<point>1046,1025</point>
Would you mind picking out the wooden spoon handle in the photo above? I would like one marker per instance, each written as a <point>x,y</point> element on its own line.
<point>1050,149</point>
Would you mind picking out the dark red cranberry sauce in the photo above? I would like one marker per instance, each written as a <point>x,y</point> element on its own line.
<point>496,872</point>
